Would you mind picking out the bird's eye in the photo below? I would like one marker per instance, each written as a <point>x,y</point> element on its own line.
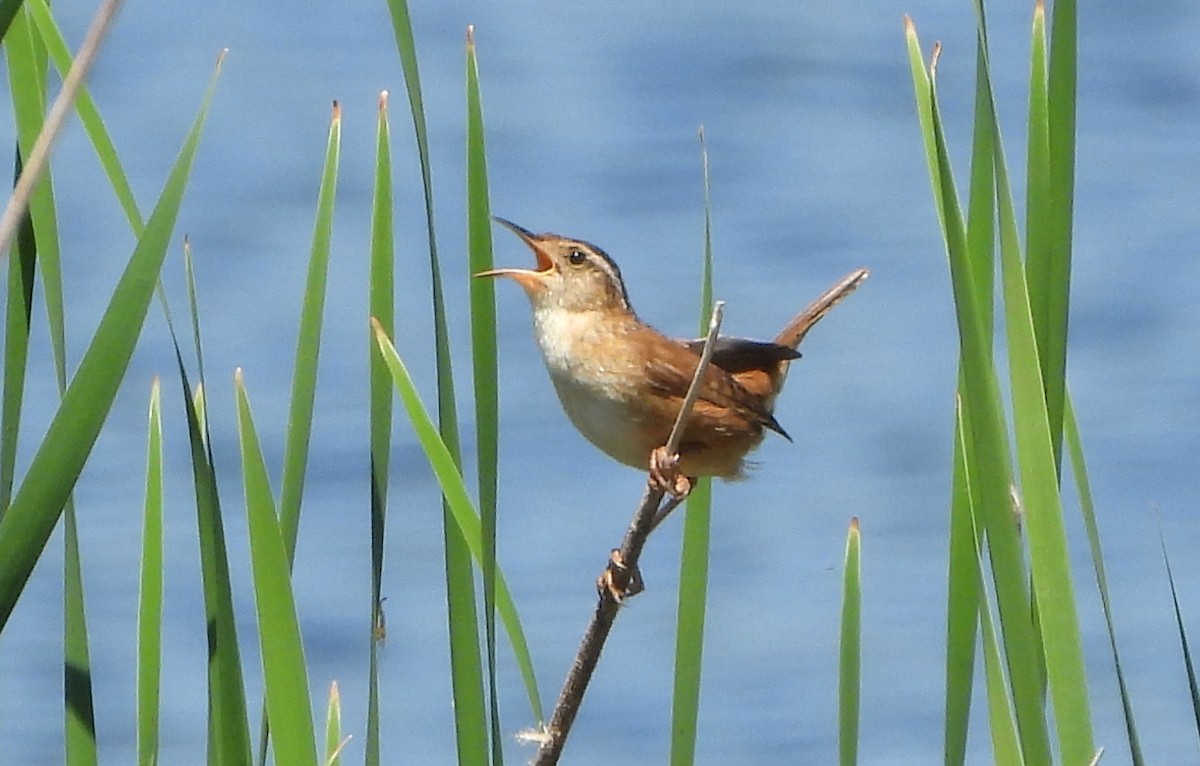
<point>576,257</point>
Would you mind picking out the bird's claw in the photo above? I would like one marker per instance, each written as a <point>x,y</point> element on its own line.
<point>665,473</point>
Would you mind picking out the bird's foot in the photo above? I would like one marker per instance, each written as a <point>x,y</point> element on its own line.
<point>665,473</point>
<point>619,580</point>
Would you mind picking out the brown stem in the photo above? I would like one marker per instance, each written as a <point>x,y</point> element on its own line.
<point>619,577</point>
<point>607,606</point>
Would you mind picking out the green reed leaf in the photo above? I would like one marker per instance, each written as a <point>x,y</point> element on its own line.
<point>285,674</point>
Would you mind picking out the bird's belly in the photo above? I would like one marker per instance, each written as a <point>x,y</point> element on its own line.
<point>609,417</point>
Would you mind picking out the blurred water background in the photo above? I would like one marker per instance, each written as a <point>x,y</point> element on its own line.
<point>592,113</point>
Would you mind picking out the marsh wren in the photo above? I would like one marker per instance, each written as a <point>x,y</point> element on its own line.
<point>621,382</point>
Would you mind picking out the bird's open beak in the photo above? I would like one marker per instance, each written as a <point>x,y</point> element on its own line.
<point>527,278</point>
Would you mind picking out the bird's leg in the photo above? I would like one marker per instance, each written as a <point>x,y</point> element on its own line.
<point>665,474</point>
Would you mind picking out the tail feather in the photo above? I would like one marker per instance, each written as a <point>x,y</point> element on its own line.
<point>796,329</point>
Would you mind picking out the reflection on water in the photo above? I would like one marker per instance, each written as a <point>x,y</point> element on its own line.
<point>592,115</point>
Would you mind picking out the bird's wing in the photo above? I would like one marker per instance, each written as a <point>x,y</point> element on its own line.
<point>669,373</point>
<point>736,355</point>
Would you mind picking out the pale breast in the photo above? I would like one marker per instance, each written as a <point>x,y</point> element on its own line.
<point>595,385</point>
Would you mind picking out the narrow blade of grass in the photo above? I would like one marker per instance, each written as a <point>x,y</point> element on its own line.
<point>308,346</point>
<point>923,92</point>
<point>27,83</point>
<point>990,453</point>
<point>17,316</point>
<point>1188,665</point>
<point>382,303</point>
<point>333,727</point>
<point>962,601</point>
<point>228,726</point>
<point>150,598</point>
<point>1006,739</point>
<point>1087,509</point>
<point>64,450</point>
<point>1049,557</point>
<point>1039,214</point>
<point>1052,343</point>
<point>484,365</point>
<point>850,653</point>
<point>77,670</point>
<point>458,500</point>
<point>689,623</point>
<point>694,557</point>
<point>471,721</point>
<point>27,59</point>
<point>285,675</point>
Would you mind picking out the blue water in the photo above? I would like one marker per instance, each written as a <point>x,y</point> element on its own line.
<point>592,114</point>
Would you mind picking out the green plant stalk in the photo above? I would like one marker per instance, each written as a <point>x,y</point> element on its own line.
<point>27,86</point>
<point>308,351</point>
<point>962,603</point>
<point>27,56</point>
<point>308,346</point>
<point>471,726</point>
<point>285,675</point>
<point>1049,558</point>
<point>967,563</point>
<point>150,598</point>
<point>689,623</point>
<point>1052,304</point>
<point>1006,741</point>
<point>1040,257</point>
<point>484,366</point>
<point>228,732</point>
<point>382,309</point>
<point>850,654</point>
<point>1188,665</point>
<point>1087,510</point>
<point>17,318</point>
<point>27,77</point>
<point>694,556</point>
<point>333,727</point>
<point>80,709</point>
<point>993,470</point>
<point>458,500</point>
<point>228,725</point>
